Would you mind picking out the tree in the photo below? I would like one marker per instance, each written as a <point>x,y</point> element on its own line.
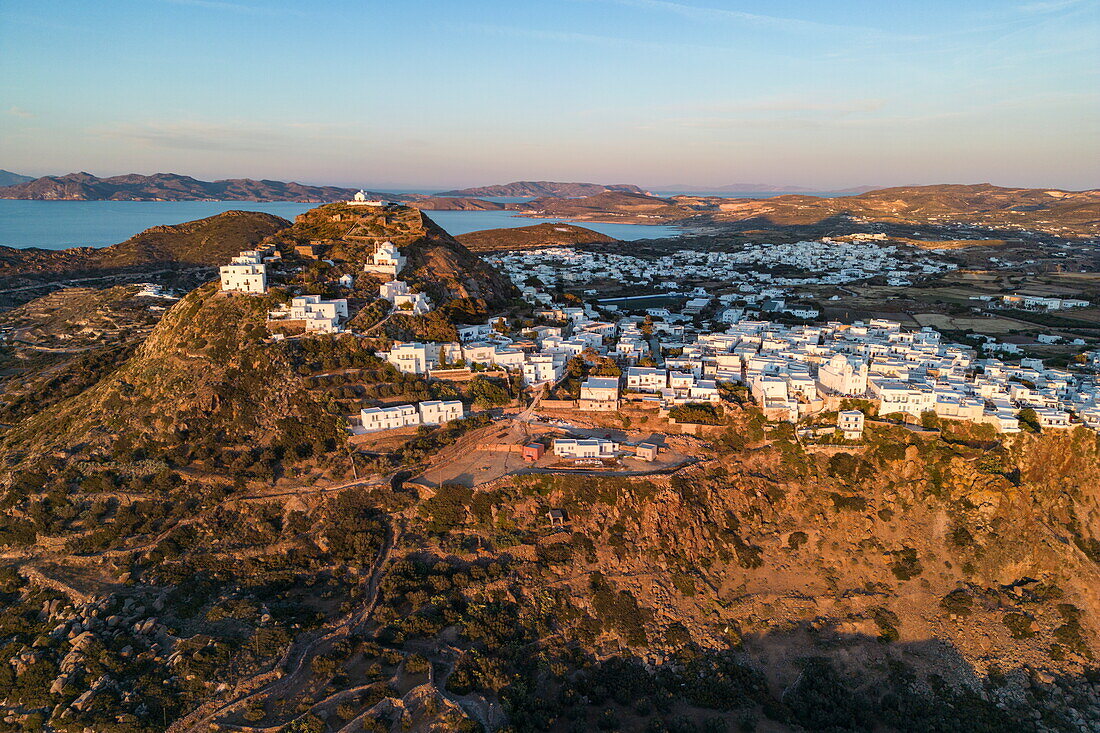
<point>1029,419</point>
<point>487,393</point>
<point>930,420</point>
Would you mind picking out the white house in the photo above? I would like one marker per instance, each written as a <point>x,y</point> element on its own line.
<point>646,379</point>
<point>413,357</point>
<point>543,368</point>
<point>246,273</point>
<point>600,394</point>
<point>389,418</point>
<point>588,448</point>
<point>1051,418</point>
<point>322,316</point>
<point>850,424</point>
<point>398,294</point>
<point>705,390</point>
<point>396,417</point>
<point>437,412</point>
<point>897,396</point>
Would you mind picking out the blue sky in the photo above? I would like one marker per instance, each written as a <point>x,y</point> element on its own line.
<point>461,92</point>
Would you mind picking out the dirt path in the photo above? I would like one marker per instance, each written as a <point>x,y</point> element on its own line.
<point>288,673</point>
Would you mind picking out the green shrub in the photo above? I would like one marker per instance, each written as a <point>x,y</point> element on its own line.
<point>958,602</point>
<point>1019,625</point>
<point>699,413</point>
<point>887,622</point>
<point>906,565</point>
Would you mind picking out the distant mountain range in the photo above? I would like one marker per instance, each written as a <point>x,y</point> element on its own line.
<point>171,187</point>
<point>758,188</point>
<point>7,178</point>
<point>544,188</point>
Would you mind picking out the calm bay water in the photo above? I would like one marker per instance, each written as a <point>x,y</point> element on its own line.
<point>61,224</point>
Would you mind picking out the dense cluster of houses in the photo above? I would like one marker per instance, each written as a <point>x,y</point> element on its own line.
<point>825,262</point>
<point>791,371</point>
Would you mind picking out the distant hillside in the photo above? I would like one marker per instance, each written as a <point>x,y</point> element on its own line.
<point>543,188</point>
<point>210,241</point>
<point>455,203</point>
<point>7,178</point>
<point>1061,213</point>
<point>1058,212</point>
<point>637,208</point>
<point>539,235</point>
<point>171,187</point>
<point>736,188</point>
<point>759,188</point>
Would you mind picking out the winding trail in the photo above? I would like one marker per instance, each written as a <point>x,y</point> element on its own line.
<point>288,672</point>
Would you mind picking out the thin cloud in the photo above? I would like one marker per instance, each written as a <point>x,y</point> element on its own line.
<point>20,112</point>
<point>707,14</point>
<point>1048,6</point>
<point>803,106</point>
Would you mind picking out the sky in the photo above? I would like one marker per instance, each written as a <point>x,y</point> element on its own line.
<point>433,94</point>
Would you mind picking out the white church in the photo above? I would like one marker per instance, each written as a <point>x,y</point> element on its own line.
<point>360,199</point>
<point>387,260</point>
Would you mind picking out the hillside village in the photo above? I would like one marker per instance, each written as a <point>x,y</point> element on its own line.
<point>663,359</point>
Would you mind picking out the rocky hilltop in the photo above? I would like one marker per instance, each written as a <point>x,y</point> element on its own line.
<point>532,237</point>
<point>437,262</point>
<point>171,187</point>
<point>543,188</point>
<point>210,351</point>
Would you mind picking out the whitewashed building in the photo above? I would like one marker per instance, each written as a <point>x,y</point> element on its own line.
<point>245,273</point>
<point>585,448</point>
<point>386,260</point>
<point>398,294</point>
<point>437,412</point>
<point>850,424</point>
<point>321,316</point>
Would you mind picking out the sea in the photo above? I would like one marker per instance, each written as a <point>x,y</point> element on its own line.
<point>63,224</point>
